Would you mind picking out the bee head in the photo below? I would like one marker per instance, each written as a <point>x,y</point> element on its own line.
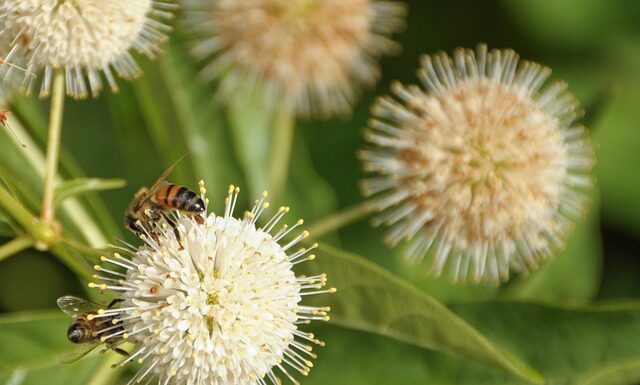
<point>198,205</point>
<point>75,334</point>
<point>133,224</point>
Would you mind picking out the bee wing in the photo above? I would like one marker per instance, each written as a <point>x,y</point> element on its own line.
<point>74,306</point>
<point>77,353</point>
<point>164,175</point>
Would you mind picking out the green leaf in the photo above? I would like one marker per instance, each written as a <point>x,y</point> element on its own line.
<point>596,345</point>
<point>251,126</point>
<point>578,346</point>
<point>80,186</point>
<point>32,343</point>
<point>371,299</point>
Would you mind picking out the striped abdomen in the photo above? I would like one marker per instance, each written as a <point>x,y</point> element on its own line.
<point>81,330</point>
<point>169,195</point>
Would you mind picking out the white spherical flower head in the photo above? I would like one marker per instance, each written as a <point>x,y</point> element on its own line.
<point>481,167</point>
<point>82,37</point>
<point>313,54</point>
<point>214,300</point>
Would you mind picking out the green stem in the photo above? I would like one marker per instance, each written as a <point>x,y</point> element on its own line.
<point>79,247</point>
<point>53,145</point>
<point>341,218</point>
<point>280,152</point>
<point>77,265</point>
<point>16,210</point>
<point>44,234</point>
<point>72,207</point>
<point>15,246</point>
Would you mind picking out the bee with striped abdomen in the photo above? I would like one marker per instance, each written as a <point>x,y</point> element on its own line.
<point>90,327</point>
<point>153,204</point>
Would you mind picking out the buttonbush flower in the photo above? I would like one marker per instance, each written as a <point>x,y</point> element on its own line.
<point>313,54</point>
<point>82,37</point>
<point>219,303</point>
<point>482,168</point>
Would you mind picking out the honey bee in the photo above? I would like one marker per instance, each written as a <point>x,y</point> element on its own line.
<point>90,328</point>
<point>150,205</point>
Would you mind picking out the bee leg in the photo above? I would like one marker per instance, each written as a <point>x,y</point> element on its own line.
<point>174,225</point>
<point>121,352</point>
<point>199,219</point>
<point>115,301</point>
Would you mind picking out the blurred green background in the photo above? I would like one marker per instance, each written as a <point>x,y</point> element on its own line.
<point>594,45</point>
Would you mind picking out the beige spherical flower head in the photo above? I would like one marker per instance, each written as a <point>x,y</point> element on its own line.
<point>313,54</point>
<point>482,168</point>
<point>82,37</point>
<point>212,299</point>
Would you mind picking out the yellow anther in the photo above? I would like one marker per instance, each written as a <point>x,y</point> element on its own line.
<point>92,285</point>
<point>305,234</point>
<point>312,257</point>
<point>125,336</point>
<point>97,267</point>
<point>333,290</point>
<point>265,205</point>
<point>300,221</point>
<point>231,188</point>
<point>90,317</point>
<point>115,320</point>
<point>101,311</point>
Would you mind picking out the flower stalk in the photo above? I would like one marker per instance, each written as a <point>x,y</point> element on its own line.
<point>15,246</point>
<point>53,145</point>
<point>339,219</point>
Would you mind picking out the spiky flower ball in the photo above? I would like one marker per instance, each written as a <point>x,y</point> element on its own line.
<point>220,304</point>
<point>82,37</point>
<point>482,168</point>
<point>313,54</point>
